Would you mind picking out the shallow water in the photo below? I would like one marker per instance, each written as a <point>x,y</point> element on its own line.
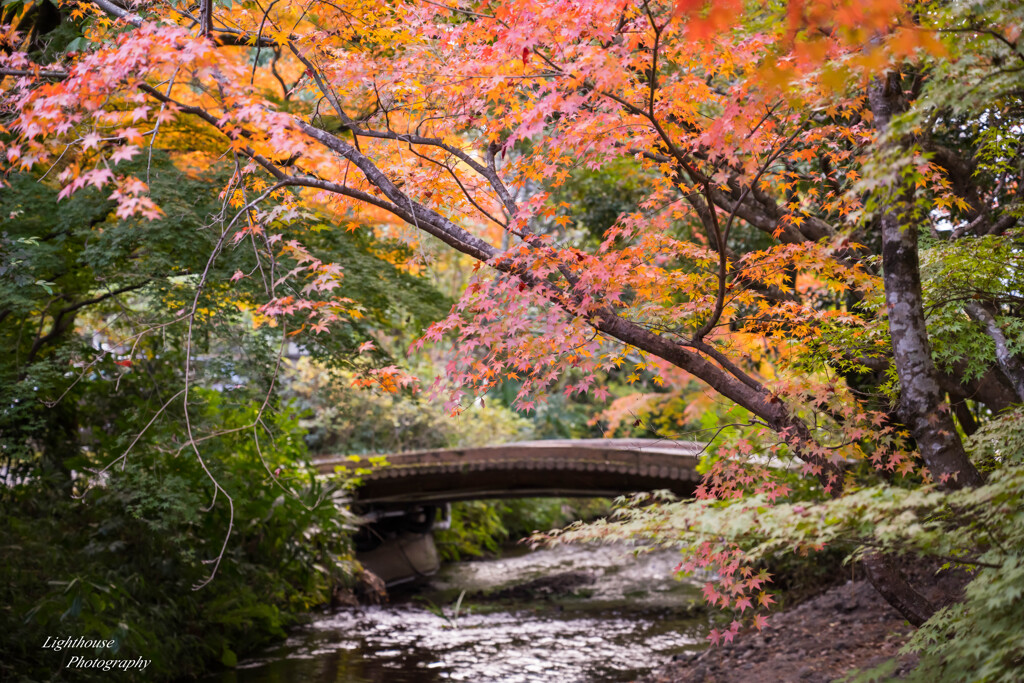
<point>632,617</point>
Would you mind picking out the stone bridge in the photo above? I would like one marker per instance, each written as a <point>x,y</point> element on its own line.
<point>571,468</point>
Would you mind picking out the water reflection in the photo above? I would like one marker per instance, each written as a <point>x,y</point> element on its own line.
<point>631,617</point>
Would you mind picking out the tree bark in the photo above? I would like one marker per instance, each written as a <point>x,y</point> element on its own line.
<point>991,389</point>
<point>890,584</point>
<point>920,396</point>
<point>1009,363</point>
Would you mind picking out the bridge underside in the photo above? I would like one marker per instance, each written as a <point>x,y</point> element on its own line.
<point>440,487</point>
<point>577,468</point>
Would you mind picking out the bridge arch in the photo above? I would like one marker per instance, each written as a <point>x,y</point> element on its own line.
<point>570,468</point>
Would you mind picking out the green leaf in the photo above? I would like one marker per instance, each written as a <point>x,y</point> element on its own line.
<point>228,657</point>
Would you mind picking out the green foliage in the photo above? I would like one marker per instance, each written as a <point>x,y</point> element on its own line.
<point>481,527</point>
<point>475,529</point>
<point>982,268</point>
<point>599,197</point>
<point>392,300</point>
<point>123,562</point>
<point>558,416</point>
<point>980,639</point>
<point>92,321</point>
<point>342,419</point>
<point>524,516</point>
<point>44,27</point>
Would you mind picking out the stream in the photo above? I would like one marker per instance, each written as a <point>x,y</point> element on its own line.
<point>563,614</point>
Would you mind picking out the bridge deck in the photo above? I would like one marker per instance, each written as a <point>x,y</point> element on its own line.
<point>579,467</point>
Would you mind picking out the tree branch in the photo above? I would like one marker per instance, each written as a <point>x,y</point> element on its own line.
<point>1009,363</point>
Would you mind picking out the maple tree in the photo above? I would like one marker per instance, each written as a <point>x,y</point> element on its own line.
<point>792,158</point>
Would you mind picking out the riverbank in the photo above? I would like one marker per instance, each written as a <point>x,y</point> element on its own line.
<point>845,628</point>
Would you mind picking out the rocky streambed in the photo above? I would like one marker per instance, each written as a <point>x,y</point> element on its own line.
<point>564,614</point>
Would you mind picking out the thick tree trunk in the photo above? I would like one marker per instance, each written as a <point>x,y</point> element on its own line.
<point>885,576</point>
<point>920,396</point>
